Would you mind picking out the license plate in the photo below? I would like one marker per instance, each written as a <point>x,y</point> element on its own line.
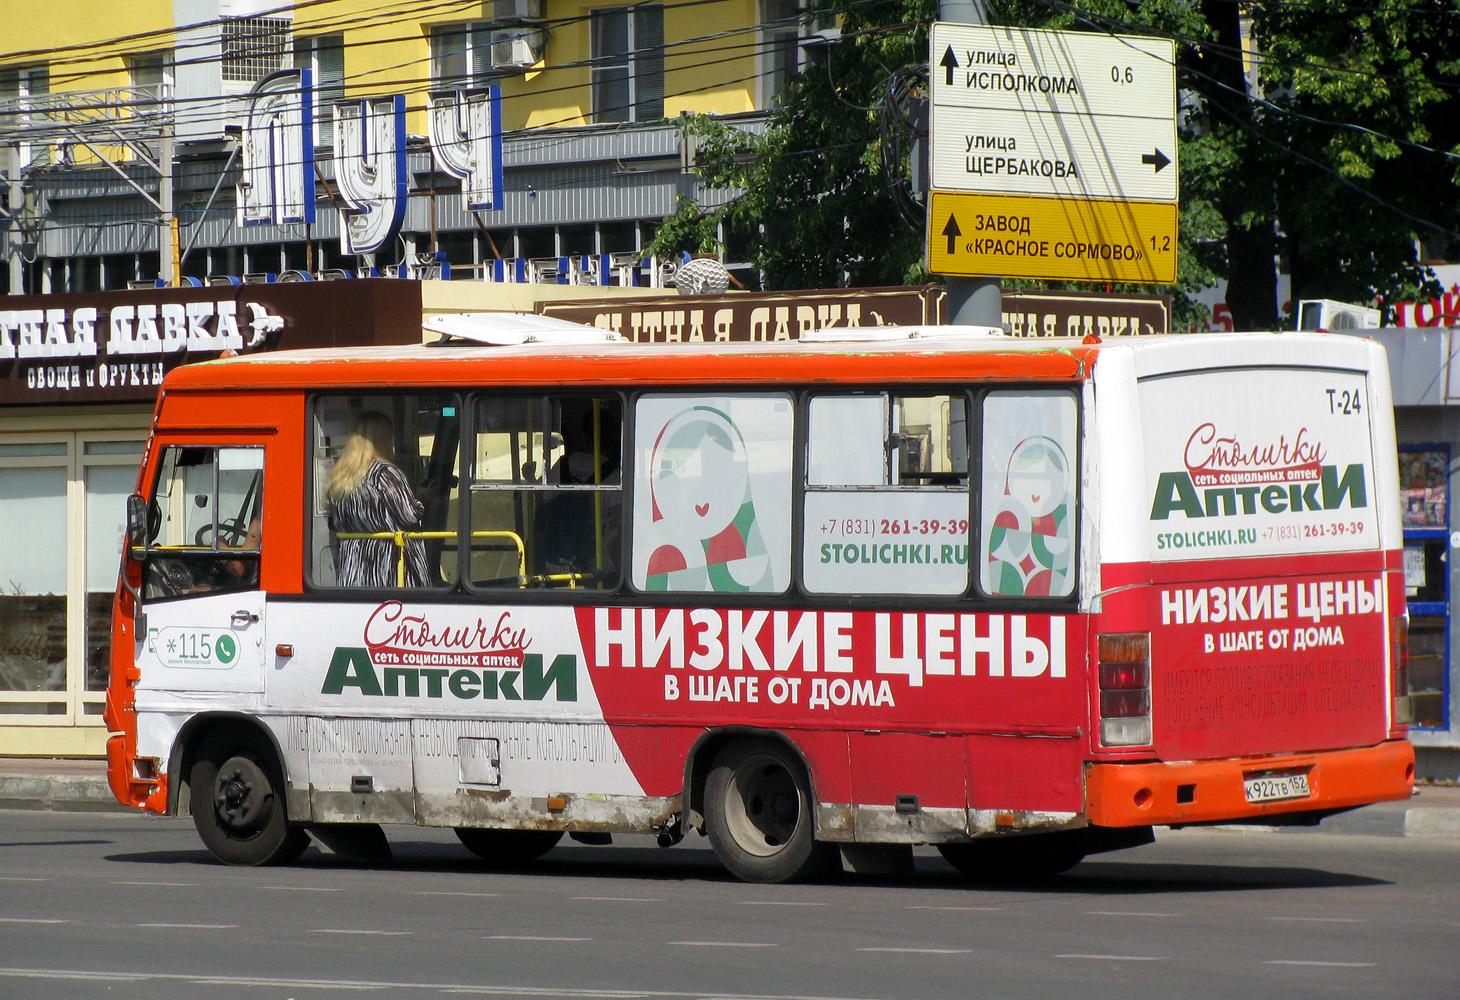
<point>1276,787</point>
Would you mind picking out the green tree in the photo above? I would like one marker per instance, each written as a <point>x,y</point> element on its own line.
<point>1344,154</point>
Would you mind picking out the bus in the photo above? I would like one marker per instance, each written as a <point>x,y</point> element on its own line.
<point>818,600</point>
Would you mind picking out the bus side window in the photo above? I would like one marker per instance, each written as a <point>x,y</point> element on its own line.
<point>384,470</point>
<point>886,507</point>
<point>205,521</point>
<point>1029,510</point>
<point>712,493</point>
<point>546,492</point>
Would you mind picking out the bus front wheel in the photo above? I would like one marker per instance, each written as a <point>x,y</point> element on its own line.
<point>508,848</point>
<point>237,798</point>
<point>758,814</point>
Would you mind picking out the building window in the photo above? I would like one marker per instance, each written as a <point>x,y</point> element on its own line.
<point>461,55</point>
<point>324,57</point>
<point>254,47</point>
<point>786,26</point>
<point>16,85</point>
<point>151,72</point>
<point>628,64</point>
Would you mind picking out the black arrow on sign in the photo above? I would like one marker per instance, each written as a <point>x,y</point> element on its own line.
<point>949,62</point>
<point>1157,158</point>
<point>951,230</point>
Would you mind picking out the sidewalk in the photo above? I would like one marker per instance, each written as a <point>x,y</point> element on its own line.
<point>49,783</point>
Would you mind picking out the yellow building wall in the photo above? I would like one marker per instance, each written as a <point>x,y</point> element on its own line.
<point>59,27</point>
<point>710,62</point>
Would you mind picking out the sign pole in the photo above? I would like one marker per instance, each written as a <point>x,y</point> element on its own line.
<point>971,301</point>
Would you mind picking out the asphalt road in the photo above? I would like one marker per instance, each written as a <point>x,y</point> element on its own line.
<point>119,905</point>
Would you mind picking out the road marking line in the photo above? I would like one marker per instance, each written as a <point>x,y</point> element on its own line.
<point>530,937</point>
<point>32,920</point>
<point>480,989</point>
<point>722,944</point>
<point>1126,913</point>
<point>178,885</point>
<point>922,951</point>
<point>441,892</point>
<point>352,930</point>
<point>1117,958</point>
<point>1325,920</point>
<point>616,899</point>
<point>1335,965</point>
<point>964,909</point>
<point>194,927</point>
<point>777,902</point>
<point>21,878</point>
<point>298,888</point>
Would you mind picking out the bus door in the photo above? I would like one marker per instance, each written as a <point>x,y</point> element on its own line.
<point>202,627</point>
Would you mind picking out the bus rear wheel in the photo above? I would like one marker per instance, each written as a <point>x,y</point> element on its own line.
<point>236,790</point>
<point>1016,859</point>
<point>508,848</point>
<point>758,814</point>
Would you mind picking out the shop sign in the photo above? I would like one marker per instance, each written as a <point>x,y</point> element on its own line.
<point>101,346</point>
<point>760,316</point>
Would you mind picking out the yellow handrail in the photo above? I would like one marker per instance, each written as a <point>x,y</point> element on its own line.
<point>401,537</point>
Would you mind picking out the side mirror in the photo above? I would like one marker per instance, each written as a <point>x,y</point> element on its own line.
<point>137,520</point>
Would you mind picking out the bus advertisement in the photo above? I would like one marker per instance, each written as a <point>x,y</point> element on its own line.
<point>820,601</point>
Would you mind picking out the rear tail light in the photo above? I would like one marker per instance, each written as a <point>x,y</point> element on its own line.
<point>1399,671</point>
<point>1124,665</point>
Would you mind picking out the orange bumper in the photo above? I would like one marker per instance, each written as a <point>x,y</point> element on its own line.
<point>147,794</point>
<point>1157,794</point>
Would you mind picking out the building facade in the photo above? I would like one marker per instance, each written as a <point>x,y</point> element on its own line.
<point>120,134</point>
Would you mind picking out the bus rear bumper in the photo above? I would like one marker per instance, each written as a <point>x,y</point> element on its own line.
<point>1159,794</point>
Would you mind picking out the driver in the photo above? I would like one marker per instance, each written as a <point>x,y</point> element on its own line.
<point>232,574</point>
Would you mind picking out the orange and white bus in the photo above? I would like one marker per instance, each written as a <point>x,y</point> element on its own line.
<point>1023,600</point>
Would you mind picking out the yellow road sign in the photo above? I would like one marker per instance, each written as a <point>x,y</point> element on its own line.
<point>1070,239</point>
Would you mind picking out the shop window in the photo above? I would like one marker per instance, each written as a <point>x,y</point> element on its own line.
<point>712,493</point>
<point>385,490</point>
<point>546,492</point>
<point>1424,506</point>
<point>886,503</point>
<point>110,476</point>
<point>33,613</point>
<point>1028,476</point>
<point>205,521</point>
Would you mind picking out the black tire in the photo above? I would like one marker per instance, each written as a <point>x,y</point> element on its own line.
<point>759,814</point>
<point>237,794</point>
<point>1015,859</point>
<point>508,848</point>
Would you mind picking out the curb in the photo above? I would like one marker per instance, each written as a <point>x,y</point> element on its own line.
<point>62,793</point>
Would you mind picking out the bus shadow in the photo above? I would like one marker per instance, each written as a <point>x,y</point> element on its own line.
<point>1102,878</point>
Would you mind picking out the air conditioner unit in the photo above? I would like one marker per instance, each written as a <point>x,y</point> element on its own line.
<point>516,10</point>
<point>518,49</point>
<point>1326,314</point>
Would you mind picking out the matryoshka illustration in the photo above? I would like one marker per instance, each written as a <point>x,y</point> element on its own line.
<point>1029,540</point>
<point>703,516</point>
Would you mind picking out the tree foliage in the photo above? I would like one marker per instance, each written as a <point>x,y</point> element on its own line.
<point>1345,151</point>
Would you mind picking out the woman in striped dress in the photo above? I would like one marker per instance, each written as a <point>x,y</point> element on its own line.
<point>367,494</point>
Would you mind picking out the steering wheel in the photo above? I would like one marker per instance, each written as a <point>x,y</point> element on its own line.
<point>172,576</point>
<point>230,534</point>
